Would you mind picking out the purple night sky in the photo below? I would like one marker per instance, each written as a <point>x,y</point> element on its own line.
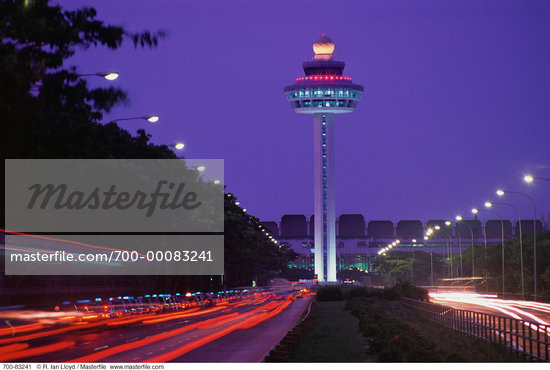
<point>456,103</point>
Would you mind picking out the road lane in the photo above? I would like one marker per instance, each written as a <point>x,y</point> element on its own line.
<point>138,340</point>
<point>253,344</point>
<point>522,310</point>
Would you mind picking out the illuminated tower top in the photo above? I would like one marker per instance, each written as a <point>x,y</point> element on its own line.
<point>323,89</point>
<point>323,48</point>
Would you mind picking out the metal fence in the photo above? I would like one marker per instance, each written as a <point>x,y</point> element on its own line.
<point>526,337</point>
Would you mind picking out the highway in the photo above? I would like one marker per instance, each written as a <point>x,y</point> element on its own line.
<point>242,330</point>
<point>517,324</point>
<point>489,303</point>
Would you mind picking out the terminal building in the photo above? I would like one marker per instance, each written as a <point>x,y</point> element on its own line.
<point>358,241</point>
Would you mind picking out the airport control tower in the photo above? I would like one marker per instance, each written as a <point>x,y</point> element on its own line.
<point>324,92</point>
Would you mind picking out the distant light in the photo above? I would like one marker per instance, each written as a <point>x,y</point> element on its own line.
<point>488,204</point>
<point>179,146</point>
<point>500,192</point>
<point>437,227</point>
<point>528,178</point>
<point>244,209</point>
<point>398,241</point>
<point>425,238</point>
<point>237,203</point>
<point>394,244</point>
<point>414,240</point>
<point>110,76</point>
<point>458,218</point>
<point>475,211</point>
<point>216,182</point>
<point>448,223</point>
<point>152,119</point>
<point>201,168</point>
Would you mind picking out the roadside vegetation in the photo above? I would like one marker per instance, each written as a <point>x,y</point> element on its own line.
<point>335,337</point>
<point>384,332</point>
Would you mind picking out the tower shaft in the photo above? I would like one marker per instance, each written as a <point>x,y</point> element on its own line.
<point>323,194</point>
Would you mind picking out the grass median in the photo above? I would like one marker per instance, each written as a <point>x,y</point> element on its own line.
<point>335,337</point>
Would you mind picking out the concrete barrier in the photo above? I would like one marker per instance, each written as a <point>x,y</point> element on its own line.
<point>286,347</point>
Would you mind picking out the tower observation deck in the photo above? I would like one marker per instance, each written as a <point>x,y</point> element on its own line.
<point>324,92</point>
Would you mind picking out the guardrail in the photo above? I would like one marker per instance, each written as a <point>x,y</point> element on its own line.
<point>528,338</point>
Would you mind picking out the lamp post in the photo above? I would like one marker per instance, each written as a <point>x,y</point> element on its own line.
<point>426,238</point>
<point>529,179</point>
<point>460,251</point>
<point>411,264</point>
<point>501,193</point>
<point>107,75</point>
<point>459,219</point>
<point>152,118</point>
<point>450,253</point>
<point>520,246</point>
<point>475,211</point>
<point>489,205</point>
<point>449,223</point>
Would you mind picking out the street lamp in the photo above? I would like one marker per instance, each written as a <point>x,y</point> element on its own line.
<point>459,219</point>
<point>426,237</point>
<point>178,146</point>
<point>475,211</point>
<point>152,118</point>
<point>501,193</point>
<point>489,205</point>
<point>520,245</point>
<point>449,245</point>
<point>108,75</point>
